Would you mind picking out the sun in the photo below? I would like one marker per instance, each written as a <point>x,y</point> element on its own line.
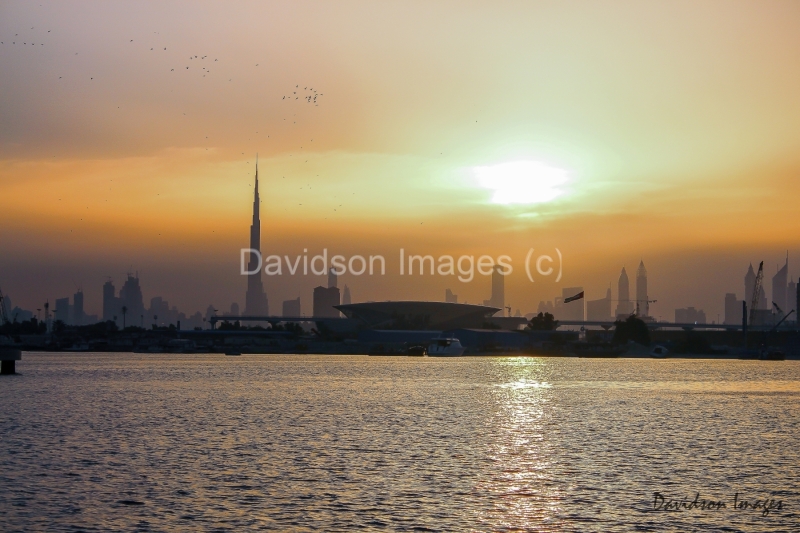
<point>522,182</point>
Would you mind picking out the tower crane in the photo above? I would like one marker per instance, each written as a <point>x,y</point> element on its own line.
<point>756,293</point>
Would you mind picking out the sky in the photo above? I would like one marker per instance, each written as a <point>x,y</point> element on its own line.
<point>615,132</point>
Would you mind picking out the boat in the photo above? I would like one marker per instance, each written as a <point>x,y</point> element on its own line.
<point>445,347</point>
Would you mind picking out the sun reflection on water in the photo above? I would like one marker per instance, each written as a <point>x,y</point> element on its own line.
<point>521,485</point>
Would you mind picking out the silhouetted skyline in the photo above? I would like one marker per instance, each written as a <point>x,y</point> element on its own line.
<point>612,132</point>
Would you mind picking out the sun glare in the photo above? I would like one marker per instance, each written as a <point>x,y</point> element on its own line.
<point>522,182</point>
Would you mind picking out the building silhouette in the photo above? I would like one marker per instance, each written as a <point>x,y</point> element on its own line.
<point>624,305</point>
<point>733,309</point>
<point>130,297</point>
<point>599,310</point>
<point>498,291</point>
<point>325,298</point>
<point>449,297</point>
<point>780,287</point>
<point>346,299</point>
<point>111,305</point>
<point>78,314</point>
<point>333,279</point>
<point>690,315</point>
<point>61,311</point>
<point>291,307</point>
<point>642,299</point>
<point>256,303</point>
<point>234,309</point>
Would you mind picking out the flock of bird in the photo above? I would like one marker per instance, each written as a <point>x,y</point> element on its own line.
<point>310,98</point>
<point>23,43</point>
<point>197,62</point>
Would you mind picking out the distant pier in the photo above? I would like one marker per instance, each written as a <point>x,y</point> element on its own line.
<point>8,359</point>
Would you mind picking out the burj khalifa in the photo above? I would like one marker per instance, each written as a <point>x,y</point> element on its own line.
<point>256,303</point>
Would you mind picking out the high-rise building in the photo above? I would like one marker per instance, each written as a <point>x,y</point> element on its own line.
<point>624,305</point>
<point>130,297</point>
<point>346,299</point>
<point>498,291</point>
<point>779,286</point>
<point>61,312</point>
<point>642,299</point>
<point>291,307</point>
<point>449,297</point>
<point>234,309</point>
<point>599,310</point>
<point>78,315</point>
<point>333,279</point>
<point>733,309</point>
<point>791,293</point>
<point>256,303</point>
<point>324,300</point>
<point>111,305</point>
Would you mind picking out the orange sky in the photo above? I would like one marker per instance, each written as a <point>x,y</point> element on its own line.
<point>676,124</point>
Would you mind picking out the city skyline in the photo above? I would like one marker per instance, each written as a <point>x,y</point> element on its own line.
<point>130,135</point>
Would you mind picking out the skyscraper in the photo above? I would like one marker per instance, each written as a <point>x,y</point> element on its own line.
<point>733,309</point>
<point>624,305</point>
<point>791,292</point>
<point>61,312</point>
<point>324,300</point>
<point>256,303</point>
<point>498,291</point>
<point>346,300</point>
<point>333,279</point>
<point>779,286</point>
<point>642,299</point>
<point>291,307</point>
<point>77,308</point>
<point>111,305</point>
<point>130,296</point>
<point>599,310</point>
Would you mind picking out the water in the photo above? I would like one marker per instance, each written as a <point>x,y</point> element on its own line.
<point>129,442</point>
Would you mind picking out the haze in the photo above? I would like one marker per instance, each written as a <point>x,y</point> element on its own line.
<point>675,124</point>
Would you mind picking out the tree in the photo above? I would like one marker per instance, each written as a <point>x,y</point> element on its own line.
<point>543,322</point>
<point>633,329</point>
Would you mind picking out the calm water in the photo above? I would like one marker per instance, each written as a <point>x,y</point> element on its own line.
<point>102,442</point>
